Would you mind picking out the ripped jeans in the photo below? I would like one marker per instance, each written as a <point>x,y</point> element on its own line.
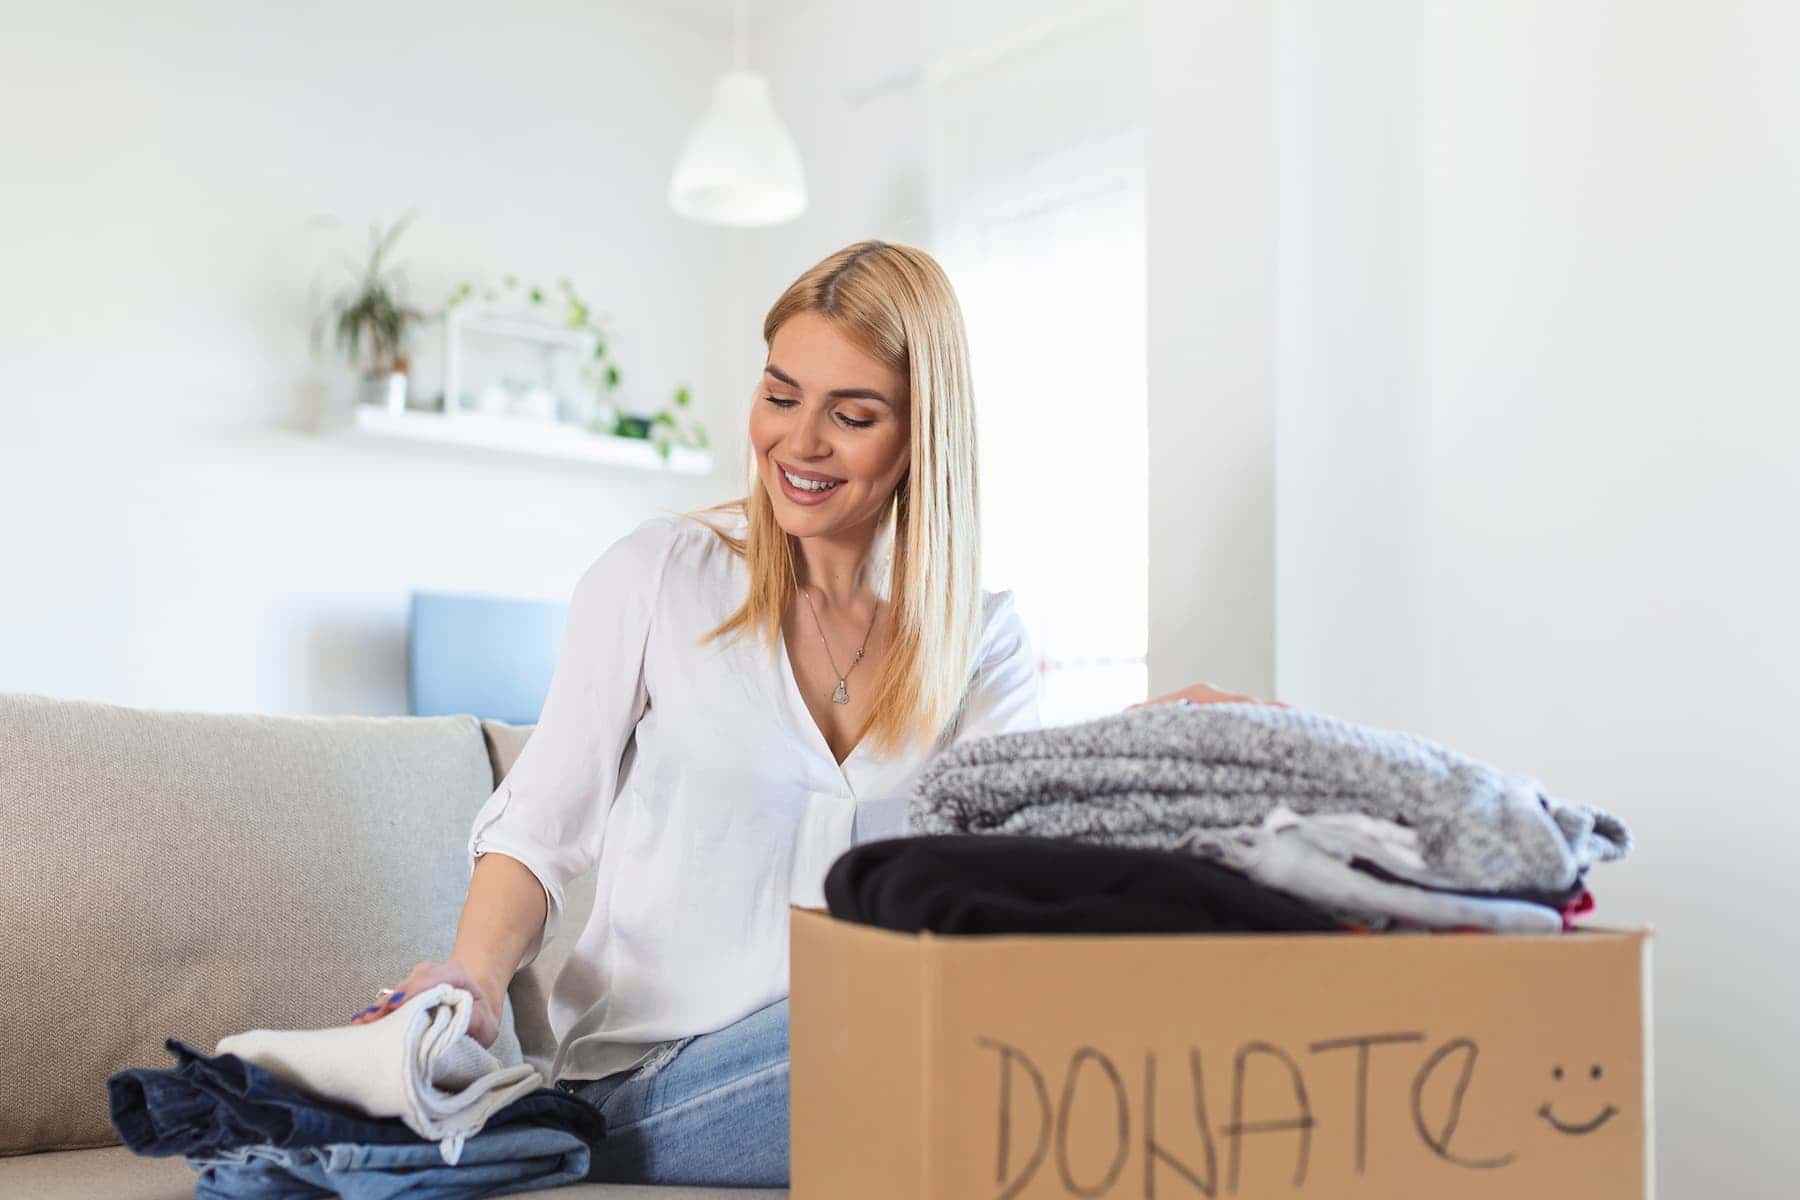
<point>715,1112</point>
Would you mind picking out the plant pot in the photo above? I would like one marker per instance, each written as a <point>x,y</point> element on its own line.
<point>384,389</point>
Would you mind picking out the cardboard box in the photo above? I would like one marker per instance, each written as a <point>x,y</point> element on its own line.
<point>1390,1066</point>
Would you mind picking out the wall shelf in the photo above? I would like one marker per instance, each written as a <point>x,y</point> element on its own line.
<point>512,435</point>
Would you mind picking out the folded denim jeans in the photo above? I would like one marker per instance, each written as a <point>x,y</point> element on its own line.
<point>216,1106</point>
<point>418,1063</point>
<point>495,1162</point>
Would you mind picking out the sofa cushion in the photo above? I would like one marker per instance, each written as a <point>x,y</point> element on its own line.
<point>112,1171</point>
<point>193,875</point>
<point>504,744</point>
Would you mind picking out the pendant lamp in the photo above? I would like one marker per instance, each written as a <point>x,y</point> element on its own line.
<point>740,165</point>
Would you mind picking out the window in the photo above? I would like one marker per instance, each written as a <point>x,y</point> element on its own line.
<point>1037,214</point>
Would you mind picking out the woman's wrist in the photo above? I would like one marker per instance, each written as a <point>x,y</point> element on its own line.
<point>488,982</point>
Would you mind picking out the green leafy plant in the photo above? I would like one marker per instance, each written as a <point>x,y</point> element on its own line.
<point>676,425</point>
<point>673,426</point>
<point>370,313</point>
<point>600,371</point>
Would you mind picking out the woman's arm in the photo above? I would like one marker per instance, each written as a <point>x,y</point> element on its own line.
<point>506,903</point>
<point>548,813</point>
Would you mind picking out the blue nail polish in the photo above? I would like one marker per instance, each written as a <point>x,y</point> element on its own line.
<point>396,998</point>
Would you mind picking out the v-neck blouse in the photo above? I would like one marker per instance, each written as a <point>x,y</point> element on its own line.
<point>698,783</point>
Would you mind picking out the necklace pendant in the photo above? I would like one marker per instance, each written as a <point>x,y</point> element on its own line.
<point>841,696</point>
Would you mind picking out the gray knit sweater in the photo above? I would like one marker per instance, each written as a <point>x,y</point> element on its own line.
<point>1178,776</point>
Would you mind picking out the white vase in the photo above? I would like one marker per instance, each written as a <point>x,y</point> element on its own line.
<point>384,389</point>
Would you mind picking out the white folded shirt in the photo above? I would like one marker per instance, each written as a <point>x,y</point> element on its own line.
<point>418,1063</point>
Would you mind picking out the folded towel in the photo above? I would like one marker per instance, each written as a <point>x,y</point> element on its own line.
<point>1171,776</point>
<point>418,1064</point>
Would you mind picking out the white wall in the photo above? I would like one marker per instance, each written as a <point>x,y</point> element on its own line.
<point>1350,429</point>
<point>169,534</point>
<point>848,79</point>
<point>1211,177</point>
<point>1539,460</point>
<point>986,133</point>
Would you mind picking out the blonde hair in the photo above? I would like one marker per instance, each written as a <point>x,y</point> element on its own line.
<point>897,305</point>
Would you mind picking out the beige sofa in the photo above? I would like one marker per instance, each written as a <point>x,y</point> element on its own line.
<point>191,875</point>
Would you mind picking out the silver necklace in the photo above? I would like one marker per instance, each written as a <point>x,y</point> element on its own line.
<point>842,694</point>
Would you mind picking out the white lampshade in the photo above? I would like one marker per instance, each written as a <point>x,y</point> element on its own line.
<point>740,165</point>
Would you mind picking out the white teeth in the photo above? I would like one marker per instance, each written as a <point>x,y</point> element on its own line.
<point>809,485</point>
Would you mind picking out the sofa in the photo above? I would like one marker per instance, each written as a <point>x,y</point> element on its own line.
<point>192,875</point>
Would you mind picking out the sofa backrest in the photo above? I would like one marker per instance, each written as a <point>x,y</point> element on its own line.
<point>192,875</point>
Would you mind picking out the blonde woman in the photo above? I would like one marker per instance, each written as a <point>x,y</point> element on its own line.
<point>741,693</point>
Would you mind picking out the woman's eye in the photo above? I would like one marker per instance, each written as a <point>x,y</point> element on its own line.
<point>785,402</point>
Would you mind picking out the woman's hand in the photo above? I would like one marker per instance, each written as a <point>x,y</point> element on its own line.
<point>484,1022</point>
<point>1206,693</point>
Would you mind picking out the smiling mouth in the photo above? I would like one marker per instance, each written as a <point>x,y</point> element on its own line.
<point>1606,1114</point>
<point>806,483</point>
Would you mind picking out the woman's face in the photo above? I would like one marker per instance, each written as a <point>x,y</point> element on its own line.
<point>826,411</point>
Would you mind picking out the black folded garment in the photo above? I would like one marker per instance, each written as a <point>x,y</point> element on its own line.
<point>999,883</point>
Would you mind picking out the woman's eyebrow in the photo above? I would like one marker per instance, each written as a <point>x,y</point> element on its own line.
<point>834,393</point>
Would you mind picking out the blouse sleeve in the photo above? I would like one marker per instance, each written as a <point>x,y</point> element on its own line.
<point>550,809</point>
<point>1003,694</point>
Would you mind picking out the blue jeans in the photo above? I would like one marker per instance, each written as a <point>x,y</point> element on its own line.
<point>715,1114</point>
<point>251,1134</point>
<point>495,1162</point>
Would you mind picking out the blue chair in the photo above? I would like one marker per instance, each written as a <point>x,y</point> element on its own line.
<point>491,656</point>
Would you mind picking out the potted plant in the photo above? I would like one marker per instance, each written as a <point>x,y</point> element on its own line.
<point>372,321</point>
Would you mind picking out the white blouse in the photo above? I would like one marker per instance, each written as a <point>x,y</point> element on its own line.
<point>698,781</point>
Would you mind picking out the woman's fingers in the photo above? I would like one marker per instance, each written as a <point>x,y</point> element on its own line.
<point>484,1025</point>
<point>423,975</point>
<point>409,986</point>
<point>1206,693</point>
<point>1199,693</point>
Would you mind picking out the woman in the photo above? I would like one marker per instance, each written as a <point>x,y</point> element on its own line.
<point>734,705</point>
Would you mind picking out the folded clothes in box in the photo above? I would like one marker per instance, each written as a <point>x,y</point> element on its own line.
<point>1113,959</point>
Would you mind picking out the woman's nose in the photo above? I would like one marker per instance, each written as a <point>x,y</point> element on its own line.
<point>805,441</point>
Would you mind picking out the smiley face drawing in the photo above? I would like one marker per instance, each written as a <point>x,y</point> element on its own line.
<point>1576,1128</point>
